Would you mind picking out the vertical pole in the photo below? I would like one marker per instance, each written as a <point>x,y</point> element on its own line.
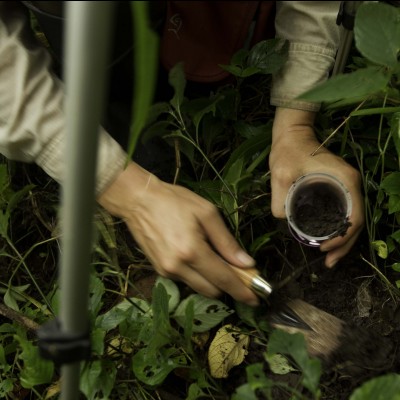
<point>347,14</point>
<point>87,41</point>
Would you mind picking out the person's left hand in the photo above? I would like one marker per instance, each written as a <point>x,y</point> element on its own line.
<point>292,146</point>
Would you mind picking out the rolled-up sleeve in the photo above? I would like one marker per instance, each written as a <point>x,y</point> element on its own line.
<point>313,35</point>
<point>32,120</point>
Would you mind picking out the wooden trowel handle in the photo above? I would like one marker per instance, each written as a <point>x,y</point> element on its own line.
<point>253,280</point>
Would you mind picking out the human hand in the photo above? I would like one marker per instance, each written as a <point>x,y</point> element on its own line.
<point>293,143</point>
<point>181,233</point>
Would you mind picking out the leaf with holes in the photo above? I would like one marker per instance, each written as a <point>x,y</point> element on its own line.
<point>227,350</point>
<point>207,312</point>
<point>153,367</point>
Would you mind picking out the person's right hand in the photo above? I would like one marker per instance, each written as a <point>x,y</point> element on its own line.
<point>181,233</point>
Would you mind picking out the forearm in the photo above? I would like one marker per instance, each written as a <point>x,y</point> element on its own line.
<point>289,124</point>
<point>313,36</point>
<point>32,119</point>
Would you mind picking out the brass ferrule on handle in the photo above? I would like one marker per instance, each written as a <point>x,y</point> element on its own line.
<point>261,287</point>
<point>253,280</point>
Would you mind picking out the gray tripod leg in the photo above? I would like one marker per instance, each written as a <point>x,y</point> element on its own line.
<point>346,17</point>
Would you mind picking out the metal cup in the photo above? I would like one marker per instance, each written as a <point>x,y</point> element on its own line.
<point>318,207</point>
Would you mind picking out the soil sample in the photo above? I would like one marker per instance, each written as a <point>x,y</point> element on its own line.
<point>318,208</point>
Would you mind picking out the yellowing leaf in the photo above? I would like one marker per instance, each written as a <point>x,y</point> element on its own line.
<point>381,248</point>
<point>53,390</point>
<point>278,364</point>
<point>228,349</point>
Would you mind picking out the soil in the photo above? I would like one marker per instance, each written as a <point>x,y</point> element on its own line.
<point>319,212</point>
<point>370,337</point>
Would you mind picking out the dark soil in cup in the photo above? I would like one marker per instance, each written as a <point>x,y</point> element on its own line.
<point>319,211</point>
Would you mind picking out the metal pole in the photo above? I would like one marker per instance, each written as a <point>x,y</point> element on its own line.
<point>348,10</point>
<point>87,40</point>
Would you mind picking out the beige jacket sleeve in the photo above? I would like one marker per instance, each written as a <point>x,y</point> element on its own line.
<point>32,120</point>
<point>313,35</point>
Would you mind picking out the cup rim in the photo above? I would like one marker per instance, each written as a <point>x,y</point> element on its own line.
<point>294,229</point>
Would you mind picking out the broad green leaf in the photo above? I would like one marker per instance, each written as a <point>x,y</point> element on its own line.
<point>132,309</point>
<point>172,291</point>
<point>265,57</point>
<point>391,184</point>
<point>386,387</point>
<point>361,83</point>
<point>394,203</point>
<point>294,345</point>
<point>396,236</point>
<point>6,387</point>
<point>106,381</point>
<point>207,312</point>
<point>268,55</point>
<point>381,248</point>
<point>396,267</point>
<point>195,392</point>
<point>377,33</point>
<point>10,301</point>
<point>35,370</point>
<point>153,367</point>
<point>107,377</point>
<point>97,341</point>
<point>176,79</point>
<point>245,392</point>
<point>89,380</point>
<point>111,318</point>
